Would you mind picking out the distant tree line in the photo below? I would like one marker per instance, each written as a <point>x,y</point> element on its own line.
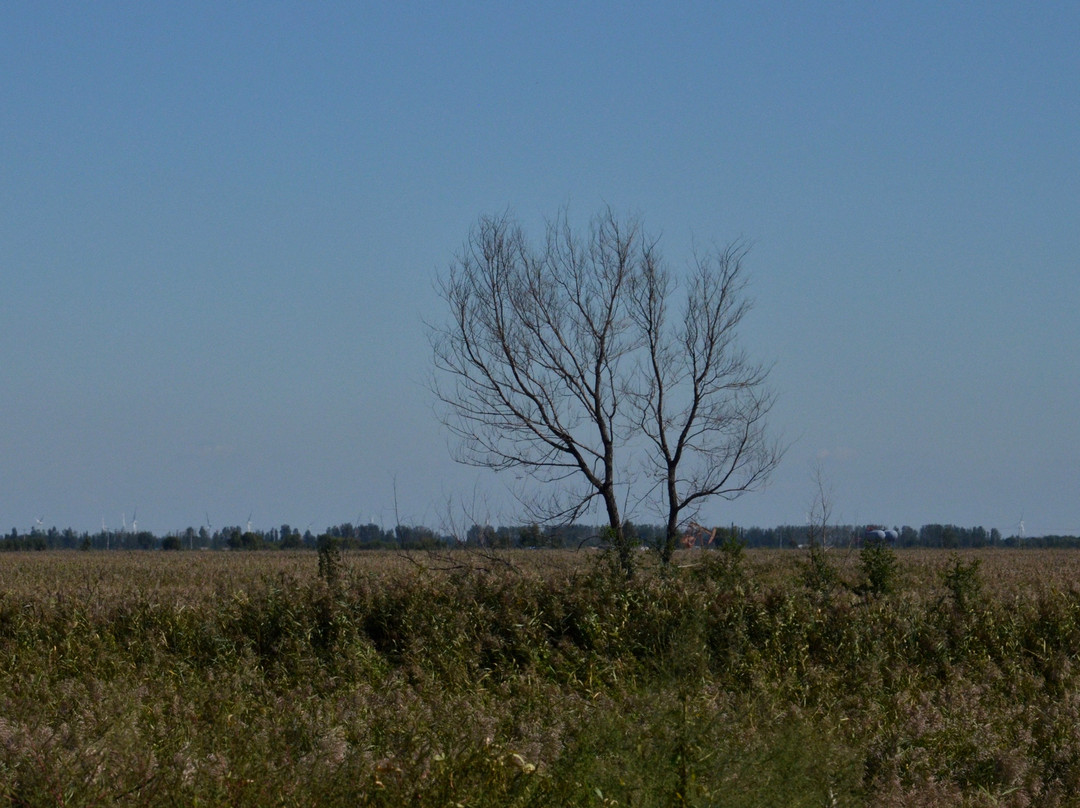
<point>347,536</point>
<point>414,537</point>
<point>932,535</point>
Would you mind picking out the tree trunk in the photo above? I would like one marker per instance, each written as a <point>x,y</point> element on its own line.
<point>617,536</point>
<point>671,537</point>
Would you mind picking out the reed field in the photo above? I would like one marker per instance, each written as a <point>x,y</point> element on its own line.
<point>537,678</point>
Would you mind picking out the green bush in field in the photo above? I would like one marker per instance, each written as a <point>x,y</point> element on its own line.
<point>818,573</point>
<point>879,567</point>
<point>963,582</point>
<point>330,559</point>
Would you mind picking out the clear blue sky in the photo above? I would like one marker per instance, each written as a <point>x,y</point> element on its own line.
<point>220,224</point>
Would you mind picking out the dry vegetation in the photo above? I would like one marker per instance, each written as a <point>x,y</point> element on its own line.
<point>540,678</point>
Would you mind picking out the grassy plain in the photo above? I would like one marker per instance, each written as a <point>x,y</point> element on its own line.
<point>539,678</point>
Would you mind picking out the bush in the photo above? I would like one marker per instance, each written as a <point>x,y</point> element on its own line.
<point>879,566</point>
<point>963,582</point>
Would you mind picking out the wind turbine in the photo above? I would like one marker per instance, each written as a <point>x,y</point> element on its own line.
<point>134,520</point>
<point>39,525</point>
<point>249,521</point>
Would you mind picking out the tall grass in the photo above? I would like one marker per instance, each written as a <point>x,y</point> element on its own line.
<point>543,679</point>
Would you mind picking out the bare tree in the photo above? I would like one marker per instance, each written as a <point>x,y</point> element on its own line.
<point>558,360</point>
<point>819,516</point>
<point>534,358</point>
<point>701,402</point>
<point>818,573</point>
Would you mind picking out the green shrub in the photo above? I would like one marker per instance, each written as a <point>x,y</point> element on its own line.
<point>818,573</point>
<point>330,559</point>
<point>963,582</point>
<point>879,566</point>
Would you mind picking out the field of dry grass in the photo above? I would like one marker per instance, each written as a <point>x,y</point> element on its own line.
<point>540,678</point>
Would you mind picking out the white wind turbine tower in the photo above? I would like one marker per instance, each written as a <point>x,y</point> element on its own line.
<point>134,520</point>
<point>249,521</point>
